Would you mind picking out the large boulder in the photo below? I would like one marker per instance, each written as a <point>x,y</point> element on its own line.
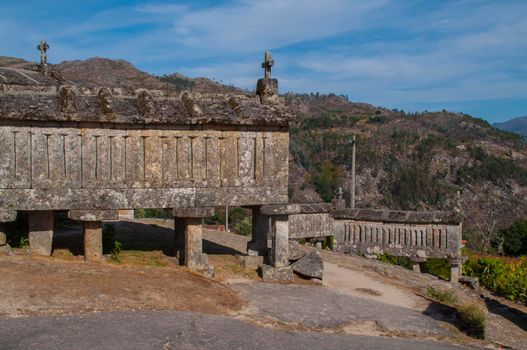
<point>295,251</point>
<point>311,265</point>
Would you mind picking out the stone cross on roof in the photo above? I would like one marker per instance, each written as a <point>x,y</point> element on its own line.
<point>43,47</point>
<point>267,65</point>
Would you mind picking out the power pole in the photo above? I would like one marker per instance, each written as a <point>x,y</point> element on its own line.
<point>227,218</point>
<point>353,142</point>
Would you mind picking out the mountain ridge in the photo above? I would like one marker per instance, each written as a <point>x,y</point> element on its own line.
<point>517,125</point>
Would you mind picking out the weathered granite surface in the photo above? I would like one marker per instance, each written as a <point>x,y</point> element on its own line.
<point>30,96</point>
<point>93,215</point>
<point>310,265</point>
<point>72,146</point>
<point>397,216</point>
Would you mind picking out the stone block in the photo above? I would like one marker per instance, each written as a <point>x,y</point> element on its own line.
<point>271,273</point>
<point>472,282</point>
<point>7,215</point>
<point>6,250</point>
<point>92,240</point>
<point>250,262</point>
<point>193,212</point>
<point>93,215</point>
<point>41,232</point>
<point>311,265</point>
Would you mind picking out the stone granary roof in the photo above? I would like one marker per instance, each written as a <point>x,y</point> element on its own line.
<point>29,95</point>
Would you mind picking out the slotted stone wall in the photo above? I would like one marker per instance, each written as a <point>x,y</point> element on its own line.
<point>58,166</point>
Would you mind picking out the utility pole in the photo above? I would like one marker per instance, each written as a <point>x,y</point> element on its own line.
<point>352,142</point>
<point>227,218</point>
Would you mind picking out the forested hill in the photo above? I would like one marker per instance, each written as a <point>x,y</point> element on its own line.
<point>408,161</point>
<point>404,161</point>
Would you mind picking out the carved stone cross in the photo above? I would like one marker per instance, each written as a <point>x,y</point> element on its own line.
<point>267,65</point>
<point>43,47</point>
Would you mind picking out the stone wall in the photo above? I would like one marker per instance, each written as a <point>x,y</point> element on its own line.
<point>59,167</point>
<point>411,234</point>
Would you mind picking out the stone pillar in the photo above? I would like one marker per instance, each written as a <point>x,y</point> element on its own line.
<point>455,270</point>
<point>280,248</point>
<point>260,227</point>
<point>92,240</point>
<point>418,264</point>
<point>188,236</point>
<point>41,232</point>
<point>92,230</point>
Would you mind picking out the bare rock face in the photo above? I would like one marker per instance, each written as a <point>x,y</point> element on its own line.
<point>310,265</point>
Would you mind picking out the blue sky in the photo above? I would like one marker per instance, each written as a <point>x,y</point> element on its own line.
<point>465,55</point>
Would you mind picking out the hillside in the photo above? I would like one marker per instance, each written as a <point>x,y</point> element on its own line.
<point>409,161</point>
<point>404,161</point>
<point>517,125</point>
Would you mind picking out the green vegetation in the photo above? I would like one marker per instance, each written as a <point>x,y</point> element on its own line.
<point>244,227</point>
<point>178,82</point>
<point>240,220</point>
<point>504,276</point>
<point>471,315</point>
<point>115,254</point>
<point>437,267</point>
<point>24,243</point>
<point>326,181</point>
<point>446,296</point>
<point>152,213</point>
<point>491,168</point>
<point>514,238</point>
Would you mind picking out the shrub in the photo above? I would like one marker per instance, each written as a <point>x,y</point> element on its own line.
<point>472,317</point>
<point>152,213</point>
<point>504,276</point>
<point>444,296</point>
<point>116,251</point>
<point>515,238</point>
<point>244,227</point>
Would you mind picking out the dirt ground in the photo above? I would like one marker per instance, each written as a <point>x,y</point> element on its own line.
<point>147,278</point>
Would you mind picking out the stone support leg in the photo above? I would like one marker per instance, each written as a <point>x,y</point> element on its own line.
<point>188,236</point>
<point>419,264</point>
<point>455,270</point>
<point>260,227</point>
<point>92,240</point>
<point>3,236</point>
<point>41,232</point>
<point>280,248</point>
<point>194,257</point>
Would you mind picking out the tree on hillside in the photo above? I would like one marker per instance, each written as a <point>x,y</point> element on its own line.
<point>515,238</point>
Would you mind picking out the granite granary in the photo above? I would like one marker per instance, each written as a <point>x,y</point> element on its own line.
<point>94,150</point>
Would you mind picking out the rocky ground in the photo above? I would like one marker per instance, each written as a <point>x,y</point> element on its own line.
<point>147,301</point>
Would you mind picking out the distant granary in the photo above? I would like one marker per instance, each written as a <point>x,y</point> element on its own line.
<point>92,151</point>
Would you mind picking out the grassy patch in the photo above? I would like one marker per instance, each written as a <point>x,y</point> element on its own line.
<point>472,316</point>
<point>444,296</point>
<point>142,258</point>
